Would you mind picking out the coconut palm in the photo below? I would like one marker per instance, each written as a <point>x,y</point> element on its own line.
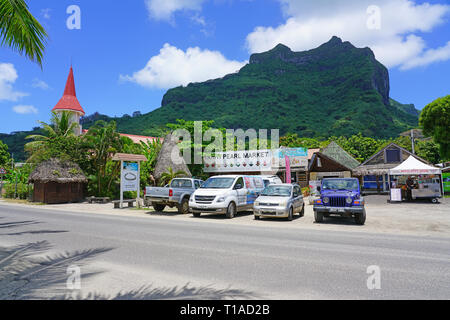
<point>21,31</point>
<point>57,133</point>
<point>168,176</point>
<point>60,126</point>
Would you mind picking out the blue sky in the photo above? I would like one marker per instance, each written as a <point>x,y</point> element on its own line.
<point>126,55</point>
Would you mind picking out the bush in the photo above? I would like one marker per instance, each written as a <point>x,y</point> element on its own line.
<point>23,190</point>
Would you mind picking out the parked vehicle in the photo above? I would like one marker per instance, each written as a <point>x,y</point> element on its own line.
<point>340,197</point>
<point>226,195</point>
<point>279,201</point>
<point>271,180</point>
<point>176,194</point>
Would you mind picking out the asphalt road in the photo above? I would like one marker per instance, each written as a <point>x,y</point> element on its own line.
<point>162,258</point>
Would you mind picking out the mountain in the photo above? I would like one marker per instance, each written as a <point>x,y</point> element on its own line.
<point>335,89</point>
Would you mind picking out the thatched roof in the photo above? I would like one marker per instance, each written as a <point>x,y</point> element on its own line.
<point>55,170</point>
<point>170,156</point>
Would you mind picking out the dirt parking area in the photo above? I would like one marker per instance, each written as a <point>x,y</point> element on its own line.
<point>417,218</point>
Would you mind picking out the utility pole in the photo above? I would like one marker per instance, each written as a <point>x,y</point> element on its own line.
<point>412,142</point>
<point>15,173</point>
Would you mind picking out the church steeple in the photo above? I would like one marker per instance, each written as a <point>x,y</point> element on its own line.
<point>69,101</point>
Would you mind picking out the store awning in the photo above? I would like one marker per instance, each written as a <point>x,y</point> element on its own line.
<point>414,166</point>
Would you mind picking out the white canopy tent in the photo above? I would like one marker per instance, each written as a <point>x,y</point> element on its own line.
<point>412,166</point>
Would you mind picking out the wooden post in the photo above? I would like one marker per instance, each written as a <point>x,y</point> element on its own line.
<point>121,187</point>
<point>138,200</point>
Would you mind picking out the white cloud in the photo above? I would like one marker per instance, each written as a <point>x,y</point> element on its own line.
<point>173,67</point>
<point>40,84</point>
<point>8,76</point>
<point>23,109</point>
<point>164,9</point>
<point>46,13</point>
<point>395,43</point>
<point>430,56</point>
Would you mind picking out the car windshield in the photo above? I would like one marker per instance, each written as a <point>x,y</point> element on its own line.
<point>218,183</point>
<point>340,184</point>
<point>277,191</point>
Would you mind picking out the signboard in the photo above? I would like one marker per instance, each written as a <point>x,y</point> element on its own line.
<point>239,161</point>
<point>130,176</point>
<point>313,185</point>
<point>396,195</point>
<point>446,180</point>
<point>298,157</point>
<point>256,160</point>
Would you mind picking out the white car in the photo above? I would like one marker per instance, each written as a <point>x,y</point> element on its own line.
<point>226,195</point>
<point>279,201</point>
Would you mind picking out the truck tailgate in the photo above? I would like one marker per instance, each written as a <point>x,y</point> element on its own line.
<point>157,193</point>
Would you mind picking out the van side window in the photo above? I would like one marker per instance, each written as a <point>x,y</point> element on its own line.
<point>197,184</point>
<point>239,181</point>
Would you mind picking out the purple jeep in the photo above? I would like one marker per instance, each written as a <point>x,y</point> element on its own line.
<point>340,197</point>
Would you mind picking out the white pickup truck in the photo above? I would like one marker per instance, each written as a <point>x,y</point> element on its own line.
<point>176,194</point>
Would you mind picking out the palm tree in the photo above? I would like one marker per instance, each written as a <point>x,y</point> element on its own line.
<point>21,31</point>
<point>60,127</point>
<point>104,142</point>
<point>168,176</point>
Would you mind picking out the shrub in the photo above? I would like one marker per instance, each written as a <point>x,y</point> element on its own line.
<point>23,190</point>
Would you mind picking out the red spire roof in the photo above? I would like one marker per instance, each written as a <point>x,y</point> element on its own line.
<point>69,100</point>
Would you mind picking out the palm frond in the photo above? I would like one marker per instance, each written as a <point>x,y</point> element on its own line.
<point>21,31</point>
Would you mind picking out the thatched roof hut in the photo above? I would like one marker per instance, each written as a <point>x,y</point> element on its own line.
<point>55,170</point>
<point>170,156</point>
<point>57,181</point>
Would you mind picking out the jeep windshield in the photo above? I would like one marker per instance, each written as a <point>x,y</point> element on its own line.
<point>277,191</point>
<point>218,183</point>
<point>340,184</point>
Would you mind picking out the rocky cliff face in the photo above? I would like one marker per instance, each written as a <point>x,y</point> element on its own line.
<point>336,52</point>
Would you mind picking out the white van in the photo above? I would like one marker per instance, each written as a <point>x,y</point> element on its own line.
<point>226,195</point>
<point>271,180</point>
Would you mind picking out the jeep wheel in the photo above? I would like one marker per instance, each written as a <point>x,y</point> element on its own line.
<point>291,214</point>
<point>159,207</point>
<point>302,213</point>
<point>318,216</point>
<point>231,210</point>
<point>197,214</point>
<point>183,208</point>
<point>360,218</point>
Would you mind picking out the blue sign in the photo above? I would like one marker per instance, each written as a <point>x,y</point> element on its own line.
<point>292,152</point>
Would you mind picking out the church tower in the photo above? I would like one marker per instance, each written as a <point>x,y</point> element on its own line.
<point>69,102</point>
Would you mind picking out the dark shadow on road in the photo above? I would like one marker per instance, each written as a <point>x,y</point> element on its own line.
<point>163,214</point>
<point>17,224</point>
<point>222,216</point>
<point>34,232</point>
<point>295,217</point>
<point>340,221</point>
<point>26,273</point>
<point>186,292</point>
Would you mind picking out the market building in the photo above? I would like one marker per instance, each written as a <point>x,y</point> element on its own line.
<point>331,162</point>
<point>261,162</point>
<point>374,172</point>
